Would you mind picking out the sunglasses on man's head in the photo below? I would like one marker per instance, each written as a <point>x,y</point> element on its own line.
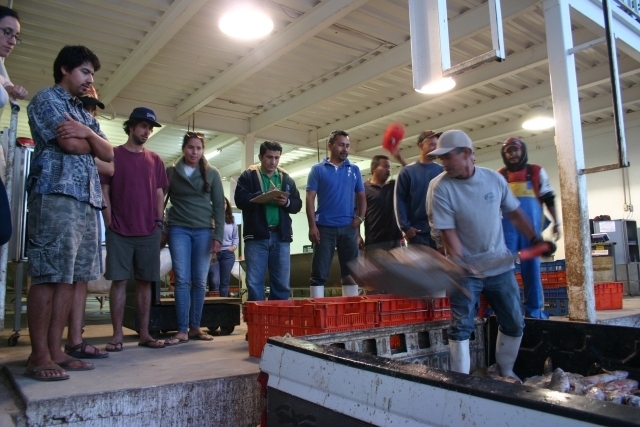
<point>195,135</point>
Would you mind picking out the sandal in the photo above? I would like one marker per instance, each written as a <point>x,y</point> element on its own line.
<point>149,344</point>
<point>66,365</point>
<point>33,373</point>
<point>201,336</point>
<point>80,351</point>
<point>115,346</point>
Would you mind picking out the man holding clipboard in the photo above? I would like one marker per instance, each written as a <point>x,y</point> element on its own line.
<point>267,195</point>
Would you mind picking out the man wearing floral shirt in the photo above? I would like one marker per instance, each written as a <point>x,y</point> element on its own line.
<point>64,192</point>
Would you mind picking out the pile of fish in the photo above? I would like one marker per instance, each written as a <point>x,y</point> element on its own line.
<point>611,386</point>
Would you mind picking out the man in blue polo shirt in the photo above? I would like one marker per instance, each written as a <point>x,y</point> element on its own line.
<point>335,224</point>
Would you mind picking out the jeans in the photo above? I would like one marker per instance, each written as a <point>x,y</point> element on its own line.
<point>272,253</point>
<point>190,255</point>
<point>501,292</point>
<point>220,272</point>
<point>345,239</point>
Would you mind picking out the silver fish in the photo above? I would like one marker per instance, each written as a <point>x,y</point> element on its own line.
<point>559,381</point>
<point>615,396</point>
<point>604,378</point>
<point>632,400</point>
<point>539,381</point>
<point>548,367</point>
<point>624,386</point>
<point>595,393</point>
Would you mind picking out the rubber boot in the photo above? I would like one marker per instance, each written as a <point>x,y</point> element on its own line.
<point>459,359</point>
<point>317,292</point>
<point>506,353</point>
<point>349,290</point>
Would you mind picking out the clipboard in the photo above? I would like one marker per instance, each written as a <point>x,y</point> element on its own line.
<point>268,196</point>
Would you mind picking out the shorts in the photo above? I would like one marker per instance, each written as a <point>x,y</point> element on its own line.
<point>140,252</point>
<point>63,241</point>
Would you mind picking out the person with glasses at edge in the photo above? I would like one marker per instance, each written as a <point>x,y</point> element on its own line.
<point>9,38</point>
<point>220,269</point>
<point>338,184</point>
<point>196,230</point>
<point>267,229</point>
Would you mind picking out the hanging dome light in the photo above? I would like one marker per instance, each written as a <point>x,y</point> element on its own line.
<point>538,118</point>
<point>247,20</point>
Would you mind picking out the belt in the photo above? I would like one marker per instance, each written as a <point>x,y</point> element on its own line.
<point>274,228</point>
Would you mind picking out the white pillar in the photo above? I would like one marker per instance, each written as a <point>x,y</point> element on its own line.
<point>248,148</point>
<point>569,145</point>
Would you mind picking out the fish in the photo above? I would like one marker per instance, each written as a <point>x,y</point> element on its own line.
<point>559,381</point>
<point>632,400</point>
<point>538,381</point>
<point>606,377</point>
<point>624,386</point>
<point>547,369</point>
<point>615,396</point>
<point>595,393</point>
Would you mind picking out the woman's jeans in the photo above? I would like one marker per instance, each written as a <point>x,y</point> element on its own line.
<point>190,256</point>
<point>220,272</point>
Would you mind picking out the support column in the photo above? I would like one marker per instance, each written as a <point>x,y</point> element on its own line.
<point>248,147</point>
<point>569,146</point>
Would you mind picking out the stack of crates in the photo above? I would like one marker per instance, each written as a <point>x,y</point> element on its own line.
<point>327,315</point>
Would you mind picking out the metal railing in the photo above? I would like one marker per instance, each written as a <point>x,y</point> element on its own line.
<point>632,7</point>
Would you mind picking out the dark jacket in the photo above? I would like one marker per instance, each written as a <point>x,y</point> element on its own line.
<point>254,219</point>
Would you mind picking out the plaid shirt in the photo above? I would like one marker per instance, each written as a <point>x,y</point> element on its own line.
<point>53,171</point>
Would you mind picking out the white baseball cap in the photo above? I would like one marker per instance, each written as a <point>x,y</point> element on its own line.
<point>452,139</point>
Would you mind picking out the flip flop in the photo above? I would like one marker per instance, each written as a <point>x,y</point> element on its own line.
<point>80,351</point>
<point>147,344</point>
<point>66,365</point>
<point>201,337</point>
<point>32,373</point>
<point>117,346</point>
<point>174,341</point>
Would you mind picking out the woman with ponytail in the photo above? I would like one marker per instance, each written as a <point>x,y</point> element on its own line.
<point>196,230</point>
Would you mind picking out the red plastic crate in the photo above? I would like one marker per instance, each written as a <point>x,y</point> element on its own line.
<point>609,295</point>
<point>306,317</point>
<point>439,309</point>
<point>399,310</point>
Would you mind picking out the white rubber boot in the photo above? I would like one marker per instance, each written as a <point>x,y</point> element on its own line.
<point>506,353</point>
<point>459,359</point>
<point>317,291</point>
<point>349,290</point>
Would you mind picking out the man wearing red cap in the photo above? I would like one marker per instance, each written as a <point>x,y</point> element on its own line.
<point>530,184</point>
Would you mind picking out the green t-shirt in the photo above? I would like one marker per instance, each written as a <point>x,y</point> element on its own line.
<point>272,210</point>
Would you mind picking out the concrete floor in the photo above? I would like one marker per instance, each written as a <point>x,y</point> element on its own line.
<point>133,368</point>
<point>138,368</point>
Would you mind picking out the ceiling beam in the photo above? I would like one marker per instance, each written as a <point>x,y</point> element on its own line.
<point>302,29</point>
<point>497,106</point>
<point>589,13</point>
<point>176,16</point>
<point>516,63</point>
<point>460,27</point>
<point>489,135</point>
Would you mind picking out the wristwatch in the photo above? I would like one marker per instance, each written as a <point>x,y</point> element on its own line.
<point>160,224</point>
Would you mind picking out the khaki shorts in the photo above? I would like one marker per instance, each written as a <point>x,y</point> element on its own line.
<point>63,241</point>
<point>140,252</point>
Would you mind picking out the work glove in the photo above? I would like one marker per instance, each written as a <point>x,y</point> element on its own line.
<point>540,247</point>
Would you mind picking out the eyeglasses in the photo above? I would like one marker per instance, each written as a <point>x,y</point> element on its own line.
<point>199,135</point>
<point>8,33</point>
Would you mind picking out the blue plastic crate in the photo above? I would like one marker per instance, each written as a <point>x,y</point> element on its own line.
<point>560,265</point>
<point>556,293</point>
<point>547,266</point>
<point>557,306</point>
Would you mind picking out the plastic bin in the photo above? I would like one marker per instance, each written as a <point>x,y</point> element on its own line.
<point>556,301</point>
<point>608,295</point>
<point>398,310</point>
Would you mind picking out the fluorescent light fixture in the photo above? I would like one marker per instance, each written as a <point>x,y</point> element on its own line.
<point>246,20</point>
<point>539,118</point>
<point>301,172</point>
<point>429,46</point>
<point>212,154</point>
<point>439,86</point>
